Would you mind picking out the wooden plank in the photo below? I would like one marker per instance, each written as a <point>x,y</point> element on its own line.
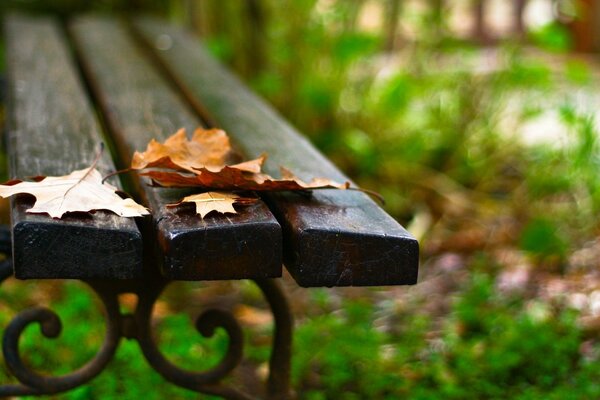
<point>140,105</point>
<point>333,239</point>
<point>52,130</point>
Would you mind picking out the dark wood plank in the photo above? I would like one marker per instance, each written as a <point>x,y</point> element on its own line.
<point>52,131</point>
<point>140,105</point>
<point>333,239</point>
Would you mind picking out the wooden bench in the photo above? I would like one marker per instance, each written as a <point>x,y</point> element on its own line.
<point>102,80</point>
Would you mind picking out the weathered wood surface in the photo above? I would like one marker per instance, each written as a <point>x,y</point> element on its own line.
<point>333,239</point>
<point>52,131</point>
<point>138,105</point>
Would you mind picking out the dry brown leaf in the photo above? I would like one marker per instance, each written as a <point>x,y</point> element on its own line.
<point>229,178</point>
<point>80,191</point>
<point>252,166</point>
<point>215,201</point>
<point>208,148</point>
<point>204,161</point>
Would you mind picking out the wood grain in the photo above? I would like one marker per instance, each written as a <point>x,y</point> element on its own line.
<point>334,238</point>
<point>138,105</point>
<point>52,130</point>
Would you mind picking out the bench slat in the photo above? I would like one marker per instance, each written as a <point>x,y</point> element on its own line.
<point>52,131</point>
<point>333,239</point>
<point>139,105</point>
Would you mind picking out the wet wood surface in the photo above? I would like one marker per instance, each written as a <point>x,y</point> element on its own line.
<point>334,238</point>
<point>139,104</point>
<point>52,130</point>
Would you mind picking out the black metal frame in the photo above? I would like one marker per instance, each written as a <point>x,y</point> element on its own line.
<point>138,326</point>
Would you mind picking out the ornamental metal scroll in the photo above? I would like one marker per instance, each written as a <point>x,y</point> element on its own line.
<point>138,326</point>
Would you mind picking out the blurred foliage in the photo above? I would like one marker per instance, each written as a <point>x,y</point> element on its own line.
<point>552,37</point>
<point>421,125</point>
<point>423,120</point>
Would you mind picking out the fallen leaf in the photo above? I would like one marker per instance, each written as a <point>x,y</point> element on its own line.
<point>215,201</point>
<point>209,149</point>
<point>206,162</point>
<point>80,191</point>
<point>229,178</point>
<point>252,166</point>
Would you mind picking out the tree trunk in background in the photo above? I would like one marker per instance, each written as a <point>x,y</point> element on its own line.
<point>351,10</point>
<point>584,28</point>
<point>256,37</point>
<point>479,31</point>
<point>202,18</point>
<point>225,22</point>
<point>437,17</point>
<point>208,18</point>
<point>519,23</point>
<point>190,16</point>
<point>392,19</point>
<point>596,26</point>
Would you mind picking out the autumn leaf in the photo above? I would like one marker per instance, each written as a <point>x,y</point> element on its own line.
<point>215,201</point>
<point>205,162</point>
<point>80,191</point>
<point>229,178</point>
<point>209,149</point>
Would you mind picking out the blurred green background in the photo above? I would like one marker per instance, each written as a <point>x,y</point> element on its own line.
<point>480,132</point>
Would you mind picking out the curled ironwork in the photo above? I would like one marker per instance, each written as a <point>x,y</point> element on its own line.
<point>206,324</point>
<point>139,327</point>
<point>33,382</point>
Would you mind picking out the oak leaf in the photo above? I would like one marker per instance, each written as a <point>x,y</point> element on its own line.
<point>229,178</point>
<point>208,149</point>
<point>205,161</point>
<point>79,191</point>
<point>215,201</point>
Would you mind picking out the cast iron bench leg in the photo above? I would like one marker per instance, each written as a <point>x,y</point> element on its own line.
<point>138,326</point>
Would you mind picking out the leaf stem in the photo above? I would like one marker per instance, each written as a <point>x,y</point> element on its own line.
<point>372,193</point>
<point>90,168</point>
<point>121,171</point>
